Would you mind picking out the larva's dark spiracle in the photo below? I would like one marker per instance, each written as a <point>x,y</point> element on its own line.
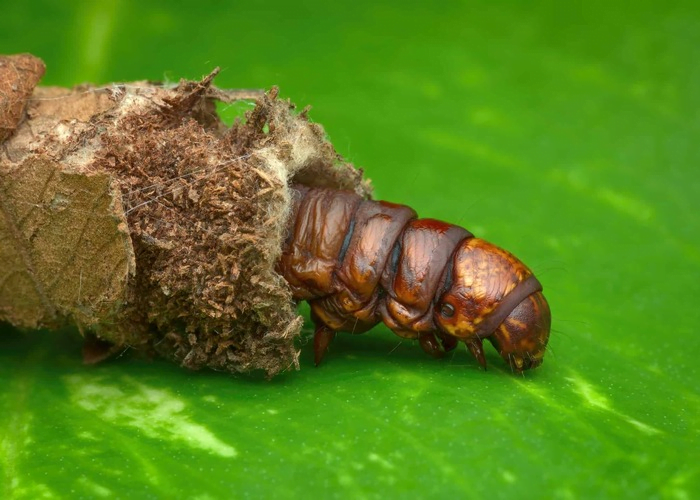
<point>359,262</point>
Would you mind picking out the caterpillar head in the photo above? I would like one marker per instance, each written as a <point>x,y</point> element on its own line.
<point>488,293</point>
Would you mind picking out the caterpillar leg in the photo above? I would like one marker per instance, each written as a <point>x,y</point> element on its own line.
<point>430,344</point>
<point>322,339</point>
<point>96,350</point>
<point>449,343</point>
<point>477,349</point>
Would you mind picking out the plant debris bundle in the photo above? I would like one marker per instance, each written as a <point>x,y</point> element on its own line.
<point>133,212</point>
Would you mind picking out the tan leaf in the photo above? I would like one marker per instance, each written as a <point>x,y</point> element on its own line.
<point>66,253</point>
<point>19,75</point>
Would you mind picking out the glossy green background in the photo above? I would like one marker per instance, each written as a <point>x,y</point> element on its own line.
<point>568,135</point>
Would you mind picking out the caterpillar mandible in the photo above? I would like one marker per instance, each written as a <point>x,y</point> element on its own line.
<point>360,262</point>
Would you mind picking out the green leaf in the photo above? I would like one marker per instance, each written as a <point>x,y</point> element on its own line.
<point>566,135</point>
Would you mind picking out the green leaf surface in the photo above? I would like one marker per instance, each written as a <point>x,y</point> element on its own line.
<point>566,135</point>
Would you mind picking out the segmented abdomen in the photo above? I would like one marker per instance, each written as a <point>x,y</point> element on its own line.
<point>358,262</point>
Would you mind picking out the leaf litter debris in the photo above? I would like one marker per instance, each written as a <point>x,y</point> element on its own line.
<point>135,213</point>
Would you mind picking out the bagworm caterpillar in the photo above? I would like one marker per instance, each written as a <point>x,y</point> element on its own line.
<point>359,262</point>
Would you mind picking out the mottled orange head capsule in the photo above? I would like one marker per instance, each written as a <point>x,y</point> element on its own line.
<point>489,294</point>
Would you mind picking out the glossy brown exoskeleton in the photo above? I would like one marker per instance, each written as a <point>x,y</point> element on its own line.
<point>359,262</point>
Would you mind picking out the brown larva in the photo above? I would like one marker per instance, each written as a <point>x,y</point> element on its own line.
<point>360,262</point>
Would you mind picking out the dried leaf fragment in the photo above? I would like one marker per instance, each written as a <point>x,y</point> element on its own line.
<point>19,75</point>
<point>66,252</point>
